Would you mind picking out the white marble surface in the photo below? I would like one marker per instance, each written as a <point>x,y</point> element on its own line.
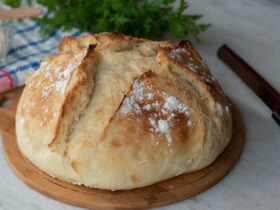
<point>252,28</point>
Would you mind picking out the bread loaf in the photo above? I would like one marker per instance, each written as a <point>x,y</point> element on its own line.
<point>116,112</point>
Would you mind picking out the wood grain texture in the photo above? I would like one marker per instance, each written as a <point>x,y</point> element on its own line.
<point>163,193</point>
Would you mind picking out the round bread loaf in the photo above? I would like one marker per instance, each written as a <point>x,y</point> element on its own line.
<point>116,112</point>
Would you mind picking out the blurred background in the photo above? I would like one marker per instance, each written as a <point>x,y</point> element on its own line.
<point>252,29</point>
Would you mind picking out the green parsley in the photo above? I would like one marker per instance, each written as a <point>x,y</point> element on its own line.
<point>142,18</point>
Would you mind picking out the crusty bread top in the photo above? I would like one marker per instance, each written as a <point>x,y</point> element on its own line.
<point>117,112</point>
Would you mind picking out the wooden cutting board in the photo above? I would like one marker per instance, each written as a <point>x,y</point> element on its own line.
<point>163,193</point>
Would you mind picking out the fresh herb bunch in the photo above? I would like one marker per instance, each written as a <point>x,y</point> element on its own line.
<point>142,18</point>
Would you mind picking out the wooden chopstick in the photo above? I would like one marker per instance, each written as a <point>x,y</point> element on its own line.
<point>19,13</point>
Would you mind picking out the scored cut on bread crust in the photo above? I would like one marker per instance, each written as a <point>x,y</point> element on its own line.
<point>117,112</point>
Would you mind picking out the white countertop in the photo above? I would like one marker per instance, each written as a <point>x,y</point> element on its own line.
<point>251,28</point>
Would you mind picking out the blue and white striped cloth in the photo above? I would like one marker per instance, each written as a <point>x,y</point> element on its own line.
<point>28,48</point>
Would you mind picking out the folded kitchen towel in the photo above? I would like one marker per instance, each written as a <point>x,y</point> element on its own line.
<point>28,48</point>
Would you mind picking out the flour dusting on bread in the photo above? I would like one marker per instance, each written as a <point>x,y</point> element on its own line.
<point>161,108</point>
<point>117,112</point>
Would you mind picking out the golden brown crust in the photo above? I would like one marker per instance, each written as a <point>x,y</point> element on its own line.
<point>126,114</point>
<point>81,83</point>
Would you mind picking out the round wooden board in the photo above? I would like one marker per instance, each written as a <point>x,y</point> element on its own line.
<point>163,193</point>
